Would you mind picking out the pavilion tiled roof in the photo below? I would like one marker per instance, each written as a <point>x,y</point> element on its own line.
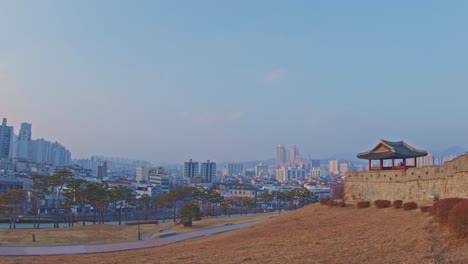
<point>388,150</point>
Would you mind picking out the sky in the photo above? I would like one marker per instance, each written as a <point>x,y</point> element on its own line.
<point>166,81</point>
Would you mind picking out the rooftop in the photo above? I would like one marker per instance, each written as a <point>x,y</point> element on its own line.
<point>388,150</point>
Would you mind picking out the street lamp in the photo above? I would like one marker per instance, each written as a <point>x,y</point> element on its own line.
<point>255,202</point>
<point>137,214</point>
<point>138,220</point>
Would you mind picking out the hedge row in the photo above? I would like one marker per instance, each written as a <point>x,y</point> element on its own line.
<point>425,209</point>
<point>454,213</point>
<point>450,211</point>
<point>324,201</point>
<point>397,204</point>
<point>363,204</point>
<point>442,208</point>
<point>458,219</point>
<point>382,203</point>
<point>410,206</point>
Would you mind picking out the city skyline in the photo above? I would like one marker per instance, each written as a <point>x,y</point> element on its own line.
<point>230,81</point>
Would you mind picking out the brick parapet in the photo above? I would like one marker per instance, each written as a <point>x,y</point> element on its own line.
<point>448,180</point>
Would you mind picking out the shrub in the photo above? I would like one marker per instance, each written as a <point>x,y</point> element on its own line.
<point>324,201</point>
<point>458,219</point>
<point>363,204</point>
<point>441,208</point>
<point>425,209</point>
<point>410,206</point>
<point>397,204</point>
<point>188,213</point>
<point>382,203</point>
<point>332,203</point>
<point>342,204</point>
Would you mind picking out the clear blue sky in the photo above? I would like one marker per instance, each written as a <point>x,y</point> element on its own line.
<point>228,80</point>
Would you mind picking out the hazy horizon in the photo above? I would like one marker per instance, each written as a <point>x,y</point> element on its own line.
<point>228,81</point>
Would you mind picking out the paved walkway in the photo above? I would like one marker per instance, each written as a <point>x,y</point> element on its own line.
<point>149,235</point>
<point>102,248</point>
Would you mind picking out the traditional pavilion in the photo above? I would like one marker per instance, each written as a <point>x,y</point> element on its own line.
<point>387,150</point>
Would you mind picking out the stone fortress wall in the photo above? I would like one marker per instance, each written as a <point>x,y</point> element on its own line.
<point>414,184</point>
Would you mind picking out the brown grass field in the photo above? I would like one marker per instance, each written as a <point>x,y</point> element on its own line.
<point>91,234</point>
<point>96,234</point>
<point>315,234</point>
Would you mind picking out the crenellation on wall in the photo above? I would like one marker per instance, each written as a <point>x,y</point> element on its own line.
<point>448,180</point>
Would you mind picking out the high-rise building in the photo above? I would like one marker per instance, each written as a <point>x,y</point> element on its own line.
<point>344,168</point>
<point>235,169</point>
<point>224,171</point>
<point>292,154</point>
<point>261,169</point>
<point>142,174</point>
<point>59,155</point>
<point>6,140</point>
<point>333,167</point>
<point>425,161</point>
<point>24,142</point>
<point>101,171</point>
<point>40,151</point>
<point>191,169</point>
<point>208,171</point>
<point>43,151</point>
<point>280,156</point>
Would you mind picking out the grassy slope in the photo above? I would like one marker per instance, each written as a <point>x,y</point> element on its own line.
<point>96,234</point>
<point>316,234</point>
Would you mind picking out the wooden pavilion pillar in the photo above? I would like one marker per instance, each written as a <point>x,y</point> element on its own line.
<point>404,163</point>
<point>393,163</point>
<point>370,165</point>
<point>381,164</point>
<point>415,163</point>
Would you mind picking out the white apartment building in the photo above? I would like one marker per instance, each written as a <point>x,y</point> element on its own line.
<point>285,174</point>
<point>159,177</point>
<point>142,174</point>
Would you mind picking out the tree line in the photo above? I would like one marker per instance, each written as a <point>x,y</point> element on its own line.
<point>67,193</point>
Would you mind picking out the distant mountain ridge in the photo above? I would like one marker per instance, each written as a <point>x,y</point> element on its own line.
<point>454,150</point>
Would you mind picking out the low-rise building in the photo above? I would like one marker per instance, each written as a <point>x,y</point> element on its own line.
<point>148,189</point>
<point>320,192</point>
<point>157,176</point>
<point>7,183</point>
<point>237,190</point>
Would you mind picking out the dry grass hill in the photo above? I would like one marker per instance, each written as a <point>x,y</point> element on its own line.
<point>314,234</point>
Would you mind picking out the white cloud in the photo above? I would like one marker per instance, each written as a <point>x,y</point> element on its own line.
<point>276,75</point>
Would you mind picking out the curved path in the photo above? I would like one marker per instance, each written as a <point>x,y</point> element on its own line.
<point>111,247</point>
